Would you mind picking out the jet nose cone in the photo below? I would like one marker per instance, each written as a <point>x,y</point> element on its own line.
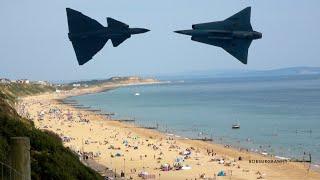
<point>257,35</point>
<point>179,32</point>
<point>138,30</point>
<point>185,32</point>
<point>143,30</point>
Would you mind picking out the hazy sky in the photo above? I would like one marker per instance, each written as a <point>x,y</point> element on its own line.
<point>34,42</point>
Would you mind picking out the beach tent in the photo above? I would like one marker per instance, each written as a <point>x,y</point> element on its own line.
<point>221,173</point>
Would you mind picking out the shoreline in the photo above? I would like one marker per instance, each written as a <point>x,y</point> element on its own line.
<point>219,149</point>
<point>180,136</point>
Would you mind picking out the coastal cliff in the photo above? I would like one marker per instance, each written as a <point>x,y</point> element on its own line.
<point>113,80</point>
<point>48,155</point>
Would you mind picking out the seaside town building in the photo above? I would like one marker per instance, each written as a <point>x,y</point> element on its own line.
<point>23,81</point>
<point>76,85</point>
<point>5,81</point>
<point>45,83</point>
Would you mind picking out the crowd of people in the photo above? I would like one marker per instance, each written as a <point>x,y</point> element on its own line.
<point>125,148</point>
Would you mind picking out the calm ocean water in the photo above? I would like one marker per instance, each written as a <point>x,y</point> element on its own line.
<point>279,115</point>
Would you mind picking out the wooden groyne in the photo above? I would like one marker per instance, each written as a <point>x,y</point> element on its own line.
<point>203,139</point>
<point>107,114</point>
<point>150,127</point>
<point>82,107</point>
<point>125,120</point>
<point>94,110</point>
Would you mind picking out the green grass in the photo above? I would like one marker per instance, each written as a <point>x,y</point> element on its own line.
<point>14,90</point>
<point>49,159</point>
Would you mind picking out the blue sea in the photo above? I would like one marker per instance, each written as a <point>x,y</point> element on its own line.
<point>278,115</point>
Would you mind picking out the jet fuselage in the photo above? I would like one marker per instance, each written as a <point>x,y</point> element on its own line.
<point>108,33</point>
<point>221,34</point>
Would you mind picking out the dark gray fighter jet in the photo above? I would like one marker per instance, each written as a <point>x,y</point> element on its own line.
<point>234,34</point>
<point>88,36</point>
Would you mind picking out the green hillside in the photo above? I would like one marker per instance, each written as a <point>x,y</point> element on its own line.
<point>49,159</point>
<point>14,90</point>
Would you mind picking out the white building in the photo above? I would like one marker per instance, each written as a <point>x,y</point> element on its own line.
<point>45,83</point>
<point>5,81</point>
<point>23,81</point>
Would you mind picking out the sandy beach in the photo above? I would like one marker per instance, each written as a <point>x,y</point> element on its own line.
<point>137,151</point>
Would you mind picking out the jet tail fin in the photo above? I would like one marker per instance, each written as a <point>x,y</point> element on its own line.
<point>115,24</point>
<point>239,21</point>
